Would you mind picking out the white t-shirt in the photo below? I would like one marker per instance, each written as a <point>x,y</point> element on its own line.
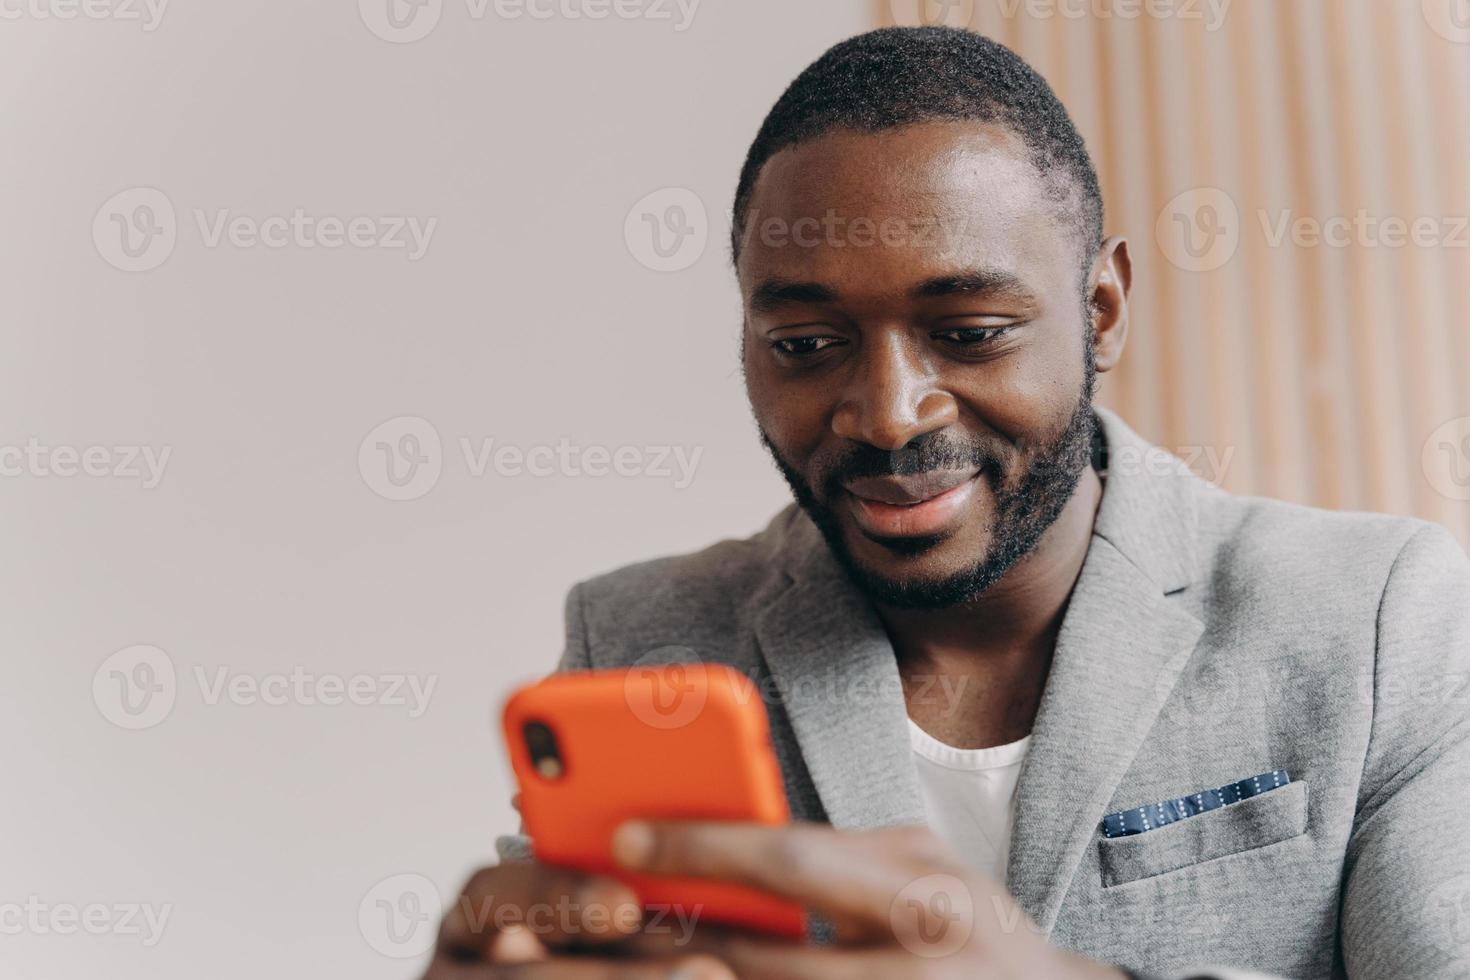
<point>969,796</point>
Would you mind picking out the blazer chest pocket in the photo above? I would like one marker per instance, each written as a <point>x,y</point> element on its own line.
<point>1269,818</point>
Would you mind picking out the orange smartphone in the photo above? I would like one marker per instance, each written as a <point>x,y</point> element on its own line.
<point>680,742</point>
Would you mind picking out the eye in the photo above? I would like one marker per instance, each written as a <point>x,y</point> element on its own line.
<point>803,346</point>
<point>972,336</point>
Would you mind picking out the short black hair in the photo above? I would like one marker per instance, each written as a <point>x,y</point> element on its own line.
<point>897,76</point>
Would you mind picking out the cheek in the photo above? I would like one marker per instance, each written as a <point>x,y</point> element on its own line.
<point>1028,397</point>
<point>794,416</point>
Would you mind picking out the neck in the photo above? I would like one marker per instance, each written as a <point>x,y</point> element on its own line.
<point>992,655</point>
<point>1019,614</point>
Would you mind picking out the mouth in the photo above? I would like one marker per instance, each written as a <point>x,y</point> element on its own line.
<point>921,505</point>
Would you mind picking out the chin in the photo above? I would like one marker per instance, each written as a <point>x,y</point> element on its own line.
<point>921,573</point>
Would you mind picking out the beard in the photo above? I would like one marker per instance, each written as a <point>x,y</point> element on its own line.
<point>1025,505</point>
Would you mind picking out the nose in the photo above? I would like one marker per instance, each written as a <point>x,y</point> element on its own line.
<point>892,397</point>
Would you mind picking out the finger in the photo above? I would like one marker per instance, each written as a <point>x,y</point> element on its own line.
<point>558,907</point>
<point>760,958</point>
<point>663,942</point>
<point>516,944</point>
<point>445,967</point>
<point>754,959</point>
<point>843,876</point>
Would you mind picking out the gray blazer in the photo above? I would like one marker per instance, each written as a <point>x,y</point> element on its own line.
<point>1209,638</point>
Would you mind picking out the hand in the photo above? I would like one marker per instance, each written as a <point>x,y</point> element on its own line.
<point>902,903</point>
<point>530,921</point>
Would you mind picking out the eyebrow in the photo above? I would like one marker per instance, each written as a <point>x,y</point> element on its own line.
<point>973,282</point>
<point>773,294</point>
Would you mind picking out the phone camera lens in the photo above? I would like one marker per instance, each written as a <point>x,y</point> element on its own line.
<point>545,754</point>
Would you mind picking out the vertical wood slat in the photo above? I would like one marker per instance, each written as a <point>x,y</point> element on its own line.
<point>1322,317</point>
<point>1230,347</point>
<point>1415,272</point>
<point>1448,97</point>
<point>1373,332</point>
<point>1264,296</point>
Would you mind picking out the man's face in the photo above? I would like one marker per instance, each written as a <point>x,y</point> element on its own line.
<point>917,351</point>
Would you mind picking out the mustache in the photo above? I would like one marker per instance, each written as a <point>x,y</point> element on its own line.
<point>928,453</point>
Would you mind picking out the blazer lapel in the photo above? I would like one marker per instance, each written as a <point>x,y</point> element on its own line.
<point>1124,640</point>
<point>834,667</point>
<point>1122,644</point>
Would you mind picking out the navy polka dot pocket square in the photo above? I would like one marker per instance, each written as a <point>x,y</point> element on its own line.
<point>1152,816</point>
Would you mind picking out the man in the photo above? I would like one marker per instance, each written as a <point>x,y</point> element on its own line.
<point>1088,714</point>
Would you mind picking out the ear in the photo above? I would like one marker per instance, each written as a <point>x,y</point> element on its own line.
<point>1111,278</point>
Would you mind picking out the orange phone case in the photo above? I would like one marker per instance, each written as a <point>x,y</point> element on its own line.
<point>679,742</point>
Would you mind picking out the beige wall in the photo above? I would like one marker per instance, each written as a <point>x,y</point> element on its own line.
<point>1320,356</point>
<point>263,549</point>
